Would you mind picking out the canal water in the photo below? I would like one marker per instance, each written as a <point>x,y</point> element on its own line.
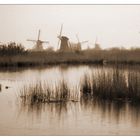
<point>72,118</point>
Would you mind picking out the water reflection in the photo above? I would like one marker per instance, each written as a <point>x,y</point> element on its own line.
<point>85,117</point>
<point>114,112</point>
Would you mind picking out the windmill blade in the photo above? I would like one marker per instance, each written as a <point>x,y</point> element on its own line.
<point>58,43</point>
<point>38,34</point>
<point>83,42</point>
<point>77,38</point>
<point>61,30</point>
<point>96,40</point>
<point>45,42</point>
<point>31,40</point>
<point>59,37</point>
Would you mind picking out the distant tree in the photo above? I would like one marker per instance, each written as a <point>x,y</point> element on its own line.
<point>11,49</point>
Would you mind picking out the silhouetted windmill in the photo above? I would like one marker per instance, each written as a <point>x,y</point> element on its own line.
<point>80,43</point>
<point>38,43</point>
<point>97,45</point>
<point>63,41</point>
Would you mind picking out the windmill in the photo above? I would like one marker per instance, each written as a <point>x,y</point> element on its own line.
<point>63,41</point>
<point>97,45</point>
<point>79,43</point>
<point>38,43</point>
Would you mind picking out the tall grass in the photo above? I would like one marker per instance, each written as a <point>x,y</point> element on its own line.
<point>134,85</point>
<point>42,92</point>
<point>86,86</point>
<point>15,55</point>
<point>116,84</point>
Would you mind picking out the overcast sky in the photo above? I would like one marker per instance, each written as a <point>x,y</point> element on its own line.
<point>114,25</point>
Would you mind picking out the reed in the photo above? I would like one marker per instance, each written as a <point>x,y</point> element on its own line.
<point>116,84</point>
<point>134,85</point>
<point>44,93</point>
<point>17,56</point>
<point>86,86</point>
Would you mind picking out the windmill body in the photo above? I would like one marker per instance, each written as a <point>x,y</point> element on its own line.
<point>77,46</point>
<point>64,45</point>
<point>63,42</point>
<point>38,43</point>
<point>97,45</point>
<point>38,46</point>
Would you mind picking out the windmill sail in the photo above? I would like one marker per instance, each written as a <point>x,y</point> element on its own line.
<point>59,36</point>
<point>38,43</point>
<point>38,34</point>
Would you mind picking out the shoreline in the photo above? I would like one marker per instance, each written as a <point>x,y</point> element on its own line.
<point>30,64</point>
<point>44,58</point>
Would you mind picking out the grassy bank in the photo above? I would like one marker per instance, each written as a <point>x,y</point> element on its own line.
<point>23,59</point>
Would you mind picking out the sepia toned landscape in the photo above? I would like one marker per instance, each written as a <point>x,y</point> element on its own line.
<point>69,70</point>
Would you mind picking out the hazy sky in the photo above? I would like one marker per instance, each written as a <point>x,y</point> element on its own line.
<point>114,25</point>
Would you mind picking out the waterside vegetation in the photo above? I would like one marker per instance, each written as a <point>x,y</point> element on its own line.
<point>114,85</point>
<point>15,55</point>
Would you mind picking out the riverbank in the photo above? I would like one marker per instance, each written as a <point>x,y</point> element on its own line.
<point>30,59</point>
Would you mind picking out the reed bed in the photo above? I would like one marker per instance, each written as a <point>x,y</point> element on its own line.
<point>16,56</point>
<point>115,84</point>
<point>44,93</point>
